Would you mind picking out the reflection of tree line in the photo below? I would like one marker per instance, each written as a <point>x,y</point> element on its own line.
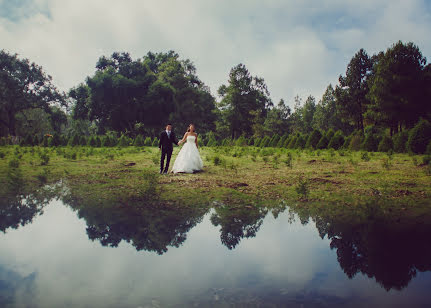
<point>237,223</point>
<point>19,210</point>
<point>151,227</point>
<point>389,251</point>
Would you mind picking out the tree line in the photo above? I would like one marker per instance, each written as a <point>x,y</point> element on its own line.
<point>383,95</point>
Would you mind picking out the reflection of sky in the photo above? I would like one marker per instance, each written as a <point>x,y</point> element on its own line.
<point>282,260</point>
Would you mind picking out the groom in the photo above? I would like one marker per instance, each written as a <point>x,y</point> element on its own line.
<point>167,137</point>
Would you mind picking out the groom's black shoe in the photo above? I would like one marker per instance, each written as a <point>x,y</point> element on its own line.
<point>161,171</point>
<point>165,172</point>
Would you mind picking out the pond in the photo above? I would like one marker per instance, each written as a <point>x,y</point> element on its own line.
<point>57,252</point>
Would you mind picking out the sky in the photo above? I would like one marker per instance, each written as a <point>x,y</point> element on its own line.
<point>298,47</point>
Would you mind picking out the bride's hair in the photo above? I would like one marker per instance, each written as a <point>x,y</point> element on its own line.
<point>188,129</point>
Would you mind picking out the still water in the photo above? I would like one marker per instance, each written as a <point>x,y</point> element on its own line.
<point>57,253</point>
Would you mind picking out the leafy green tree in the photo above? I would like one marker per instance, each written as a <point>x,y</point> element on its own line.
<point>150,92</point>
<point>34,121</point>
<point>351,93</point>
<point>243,95</point>
<point>24,86</point>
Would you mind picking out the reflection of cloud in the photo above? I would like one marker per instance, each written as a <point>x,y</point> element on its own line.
<point>13,285</point>
<point>66,37</point>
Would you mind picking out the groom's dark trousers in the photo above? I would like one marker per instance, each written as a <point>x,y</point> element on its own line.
<point>165,144</point>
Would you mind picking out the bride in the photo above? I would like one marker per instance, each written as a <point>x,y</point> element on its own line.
<point>188,159</point>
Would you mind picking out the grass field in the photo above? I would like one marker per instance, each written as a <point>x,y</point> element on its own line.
<point>331,182</point>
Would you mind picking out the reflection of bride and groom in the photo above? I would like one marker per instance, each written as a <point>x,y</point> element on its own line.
<point>188,159</point>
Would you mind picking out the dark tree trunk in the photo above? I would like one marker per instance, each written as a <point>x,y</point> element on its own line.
<point>361,122</point>
<point>12,122</point>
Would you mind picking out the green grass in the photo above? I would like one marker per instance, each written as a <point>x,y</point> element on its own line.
<point>327,182</point>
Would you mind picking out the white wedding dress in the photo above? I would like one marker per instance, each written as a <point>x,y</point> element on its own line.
<point>188,159</point>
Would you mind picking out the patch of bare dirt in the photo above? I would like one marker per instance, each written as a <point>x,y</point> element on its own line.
<point>236,185</point>
<point>324,181</point>
<point>403,192</point>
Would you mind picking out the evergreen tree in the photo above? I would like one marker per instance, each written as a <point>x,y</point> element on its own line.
<point>330,133</point>
<point>91,141</point>
<point>356,140</point>
<point>106,141</point>
<point>139,141</point>
<point>148,141</point>
<point>313,139</point>
<point>386,144</point>
<point>300,142</point>
<point>351,94</point>
<point>124,141</point>
<point>292,142</point>
<point>265,142</point>
<point>281,142</point>
<point>400,141</point>
<point>397,91</point>
<point>323,143</point>
<point>419,137</point>
<point>257,141</point>
<point>35,140</point>
<point>74,140</point>
<point>243,95</point>
<point>370,143</point>
<point>337,141</point>
<point>274,140</point>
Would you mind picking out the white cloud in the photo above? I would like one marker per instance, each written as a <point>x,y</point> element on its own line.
<point>298,48</point>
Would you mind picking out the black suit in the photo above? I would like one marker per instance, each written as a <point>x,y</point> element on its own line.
<point>165,144</point>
